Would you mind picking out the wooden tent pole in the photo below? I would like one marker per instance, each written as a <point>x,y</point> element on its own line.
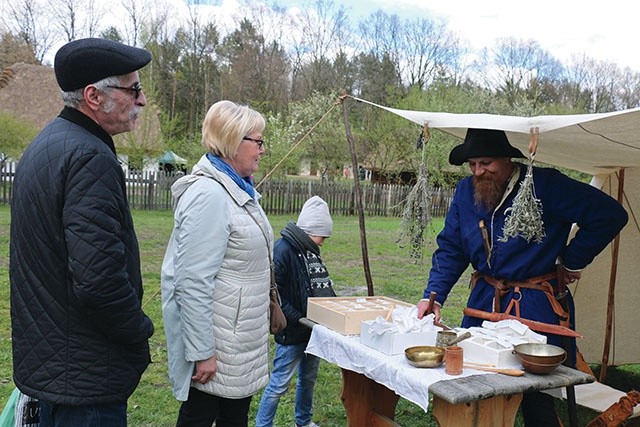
<point>358,197</point>
<point>612,287</point>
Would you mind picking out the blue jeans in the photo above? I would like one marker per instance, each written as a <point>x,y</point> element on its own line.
<point>102,415</point>
<point>288,359</point>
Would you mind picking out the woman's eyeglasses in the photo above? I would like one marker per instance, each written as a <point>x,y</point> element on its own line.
<point>260,142</point>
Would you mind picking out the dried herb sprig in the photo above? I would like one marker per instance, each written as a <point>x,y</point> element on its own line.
<point>524,217</point>
<point>416,215</point>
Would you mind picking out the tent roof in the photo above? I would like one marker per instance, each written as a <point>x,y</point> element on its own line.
<point>590,143</point>
<point>169,157</point>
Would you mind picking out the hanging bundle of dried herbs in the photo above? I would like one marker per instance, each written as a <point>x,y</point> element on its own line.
<point>524,217</point>
<point>416,215</point>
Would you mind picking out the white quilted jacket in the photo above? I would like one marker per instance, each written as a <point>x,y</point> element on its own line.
<point>215,285</point>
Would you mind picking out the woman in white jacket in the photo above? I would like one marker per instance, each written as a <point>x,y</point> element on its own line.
<point>215,275</point>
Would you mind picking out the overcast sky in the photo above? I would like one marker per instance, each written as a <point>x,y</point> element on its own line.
<point>604,30</point>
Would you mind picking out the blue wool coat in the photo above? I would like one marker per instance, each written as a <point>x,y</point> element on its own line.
<point>564,201</point>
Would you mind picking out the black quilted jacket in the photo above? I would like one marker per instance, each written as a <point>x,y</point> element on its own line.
<point>79,334</point>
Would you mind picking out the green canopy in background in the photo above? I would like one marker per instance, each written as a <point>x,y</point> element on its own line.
<point>171,158</point>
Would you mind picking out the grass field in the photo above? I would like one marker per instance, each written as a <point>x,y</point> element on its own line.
<point>393,273</point>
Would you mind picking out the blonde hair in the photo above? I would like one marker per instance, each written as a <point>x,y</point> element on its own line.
<point>225,124</point>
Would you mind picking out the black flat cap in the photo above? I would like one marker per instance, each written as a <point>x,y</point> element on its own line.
<point>483,143</point>
<point>85,61</point>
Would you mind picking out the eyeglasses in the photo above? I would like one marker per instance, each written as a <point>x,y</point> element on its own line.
<point>260,142</point>
<point>136,88</point>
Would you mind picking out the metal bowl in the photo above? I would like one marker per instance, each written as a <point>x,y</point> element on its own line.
<point>425,356</point>
<point>539,358</point>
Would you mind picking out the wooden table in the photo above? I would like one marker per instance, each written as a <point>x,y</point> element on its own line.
<point>493,400</point>
<point>370,396</point>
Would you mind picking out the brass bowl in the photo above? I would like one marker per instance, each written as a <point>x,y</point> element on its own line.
<point>425,356</point>
<point>539,358</point>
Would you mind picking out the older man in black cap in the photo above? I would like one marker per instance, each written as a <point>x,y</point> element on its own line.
<point>517,272</point>
<point>79,334</point>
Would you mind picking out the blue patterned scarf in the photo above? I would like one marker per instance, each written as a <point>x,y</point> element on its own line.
<point>244,183</point>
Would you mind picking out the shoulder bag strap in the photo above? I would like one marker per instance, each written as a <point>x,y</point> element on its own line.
<point>271,266</point>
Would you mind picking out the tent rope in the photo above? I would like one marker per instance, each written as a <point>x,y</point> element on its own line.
<point>338,102</point>
<point>268,174</point>
<point>144,304</point>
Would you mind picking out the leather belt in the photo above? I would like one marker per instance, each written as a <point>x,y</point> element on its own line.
<point>540,283</point>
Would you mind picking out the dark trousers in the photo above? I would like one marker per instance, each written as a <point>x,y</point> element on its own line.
<point>202,409</point>
<point>106,415</point>
<point>538,410</point>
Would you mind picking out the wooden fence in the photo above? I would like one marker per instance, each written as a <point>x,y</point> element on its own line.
<point>152,191</point>
<point>6,181</point>
<point>287,197</point>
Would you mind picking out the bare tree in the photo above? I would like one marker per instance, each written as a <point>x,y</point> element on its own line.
<point>321,33</point>
<point>576,94</point>
<point>380,35</point>
<point>629,89</point>
<point>135,11</point>
<point>77,18</point>
<point>65,13</point>
<point>381,40</point>
<point>523,72</point>
<point>604,84</point>
<point>95,14</point>
<point>428,49</point>
<point>421,49</point>
<point>597,82</point>
<point>27,20</point>
<point>271,21</point>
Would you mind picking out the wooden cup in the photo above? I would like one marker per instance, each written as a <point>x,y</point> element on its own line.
<point>453,360</point>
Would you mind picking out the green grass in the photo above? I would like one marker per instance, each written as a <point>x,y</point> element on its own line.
<point>393,274</point>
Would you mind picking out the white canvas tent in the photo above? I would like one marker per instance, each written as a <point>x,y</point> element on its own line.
<point>601,145</point>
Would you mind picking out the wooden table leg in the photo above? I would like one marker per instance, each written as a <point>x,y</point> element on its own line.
<point>494,411</point>
<point>366,402</point>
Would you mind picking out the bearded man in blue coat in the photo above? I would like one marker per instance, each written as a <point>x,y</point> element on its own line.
<point>474,234</point>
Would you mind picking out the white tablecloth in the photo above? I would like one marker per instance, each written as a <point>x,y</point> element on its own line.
<point>394,372</point>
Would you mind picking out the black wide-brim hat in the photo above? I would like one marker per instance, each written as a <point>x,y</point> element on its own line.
<point>85,61</point>
<point>483,143</point>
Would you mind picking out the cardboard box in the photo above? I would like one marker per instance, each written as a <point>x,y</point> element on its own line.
<point>395,342</point>
<point>345,314</point>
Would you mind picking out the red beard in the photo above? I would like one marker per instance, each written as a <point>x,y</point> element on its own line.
<point>487,193</point>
